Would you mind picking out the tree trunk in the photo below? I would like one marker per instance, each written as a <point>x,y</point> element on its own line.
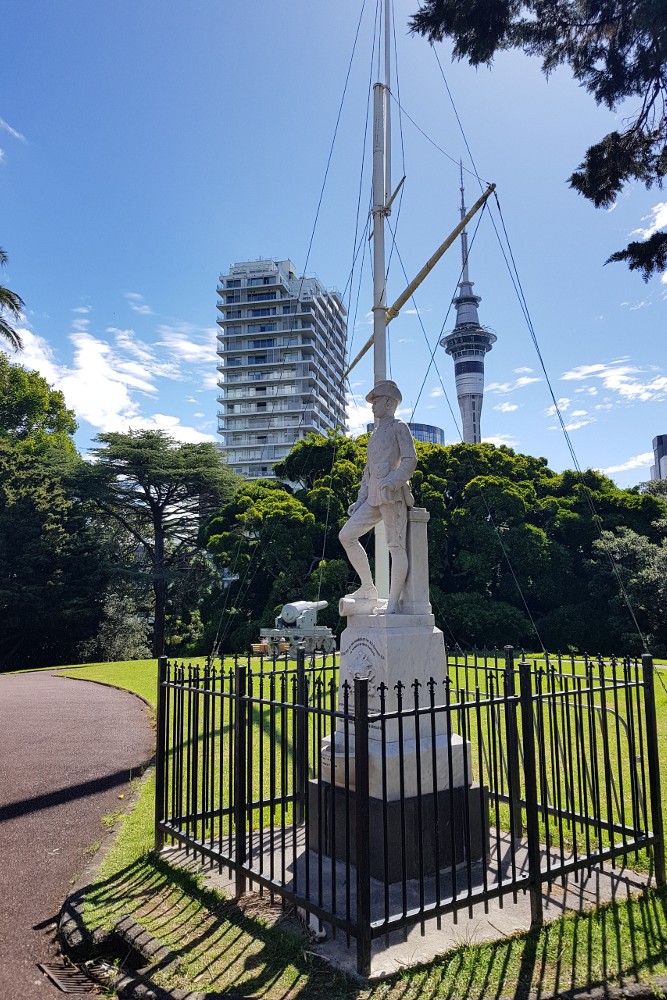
<point>160,591</point>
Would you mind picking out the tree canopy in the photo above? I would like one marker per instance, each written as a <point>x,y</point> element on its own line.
<point>516,552</point>
<point>50,565</point>
<point>616,49</point>
<point>161,492</point>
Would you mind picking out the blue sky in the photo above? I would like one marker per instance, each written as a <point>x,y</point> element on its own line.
<point>147,146</point>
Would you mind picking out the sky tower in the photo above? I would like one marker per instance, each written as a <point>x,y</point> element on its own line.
<point>468,343</point>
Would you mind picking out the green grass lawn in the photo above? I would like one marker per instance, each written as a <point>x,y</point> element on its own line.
<point>221,946</point>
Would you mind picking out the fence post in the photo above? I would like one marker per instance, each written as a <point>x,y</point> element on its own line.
<point>160,750</point>
<point>532,815</point>
<point>512,735</point>
<point>301,736</point>
<point>362,824</point>
<point>654,768</point>
<point>240,777</point>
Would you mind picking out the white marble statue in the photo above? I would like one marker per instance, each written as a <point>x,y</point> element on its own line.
<point>384,495</point>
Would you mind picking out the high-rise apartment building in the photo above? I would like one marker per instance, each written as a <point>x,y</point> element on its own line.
<point>281,349</point>
<point>468,343</point>
<point>659,468</point>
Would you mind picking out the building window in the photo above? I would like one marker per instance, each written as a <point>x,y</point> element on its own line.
<point>234,283</point>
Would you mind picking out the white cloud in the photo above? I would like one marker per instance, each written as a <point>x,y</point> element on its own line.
<point>578,424</point>
<point>523,371</point>
<point>189,343</point>
<point>630,383</point>
<point>507,387</point>
<point>137,304</point>
<point>657,220</point>
<point>6,127</point>
<point>563,404</point>
<point>645,459</point>
<point>436,392</point>
<point>579,413</point>
<point>81,323</point>
<point>172,426</point>
<point>37,355</point>
<point>359,414</point>
<point>506,407</point>
<point>499,439</point>
<point>107,383</point>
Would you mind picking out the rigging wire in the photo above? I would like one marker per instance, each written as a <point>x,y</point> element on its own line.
<point>473,173</point>
<point>523,304</point>
<point>246,582</point>
<point>489,514</point>
<point>597,519</point>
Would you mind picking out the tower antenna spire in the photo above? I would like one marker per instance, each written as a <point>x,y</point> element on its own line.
<point>468,343</point>
<point>464,234</point>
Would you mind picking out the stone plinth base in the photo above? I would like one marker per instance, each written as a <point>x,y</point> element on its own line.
<point>391,755</point>
<point>327,829</point>
<point>391,648</point>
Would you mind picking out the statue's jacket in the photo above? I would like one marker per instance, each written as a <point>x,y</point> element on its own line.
<point>391,454</point>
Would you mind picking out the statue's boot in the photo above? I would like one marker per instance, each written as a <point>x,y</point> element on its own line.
<point>365,594</point>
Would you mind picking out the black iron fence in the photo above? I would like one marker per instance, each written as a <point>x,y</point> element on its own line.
<point>506,775</point>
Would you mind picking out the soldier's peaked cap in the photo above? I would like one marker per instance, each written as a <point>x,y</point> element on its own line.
<point>385,388</point>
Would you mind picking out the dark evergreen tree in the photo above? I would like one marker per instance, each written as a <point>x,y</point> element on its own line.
<point>161,492</point>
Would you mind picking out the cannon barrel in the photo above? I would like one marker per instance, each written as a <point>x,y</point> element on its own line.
<point>291,612</point>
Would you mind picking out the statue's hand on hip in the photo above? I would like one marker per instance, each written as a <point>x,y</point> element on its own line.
<point>391,491</point>
<point>353,506</point>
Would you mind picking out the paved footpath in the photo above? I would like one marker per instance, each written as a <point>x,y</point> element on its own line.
<point>67,749</point>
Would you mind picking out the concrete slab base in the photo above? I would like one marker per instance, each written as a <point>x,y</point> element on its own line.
<point>476,924</point>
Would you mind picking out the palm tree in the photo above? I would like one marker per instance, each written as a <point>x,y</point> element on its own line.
<point>10,303</point>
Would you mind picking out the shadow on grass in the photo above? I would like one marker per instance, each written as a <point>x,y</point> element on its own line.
<point>224,948</point>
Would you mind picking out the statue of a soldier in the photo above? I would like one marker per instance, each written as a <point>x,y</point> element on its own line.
<point>384,495</point>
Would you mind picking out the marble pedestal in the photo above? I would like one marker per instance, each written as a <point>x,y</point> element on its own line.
<point>424,808</point>
<point>388,649</point>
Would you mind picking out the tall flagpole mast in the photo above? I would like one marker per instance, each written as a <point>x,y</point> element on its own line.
<point>381,196</point>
